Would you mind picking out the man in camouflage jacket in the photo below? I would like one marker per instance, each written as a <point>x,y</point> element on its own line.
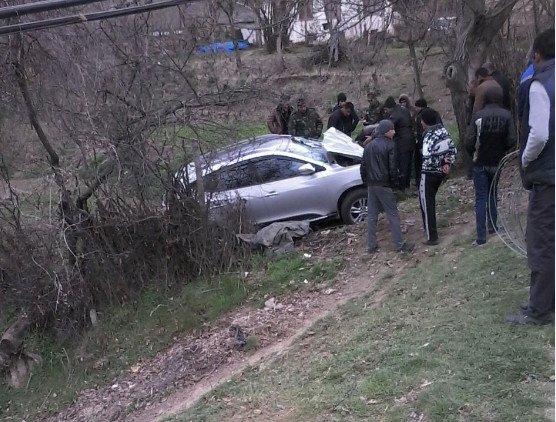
<point>305,121</point>
<point>373,113</point>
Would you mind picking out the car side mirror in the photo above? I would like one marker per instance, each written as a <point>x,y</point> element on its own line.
<point>306,169</point>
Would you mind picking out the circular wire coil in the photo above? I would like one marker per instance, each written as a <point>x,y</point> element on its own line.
<point>512,204</point>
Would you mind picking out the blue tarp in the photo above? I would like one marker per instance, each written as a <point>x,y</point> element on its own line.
<point>222,47</point>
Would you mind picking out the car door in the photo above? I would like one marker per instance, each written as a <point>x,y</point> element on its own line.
<point>288,193</point>
<point>233,186</point>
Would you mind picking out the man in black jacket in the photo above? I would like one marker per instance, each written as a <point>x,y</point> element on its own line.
<point>404,140</point>
<point>504,83</point>
<point>344,119</point>
<point>380,173</point>
<point>490,135</point>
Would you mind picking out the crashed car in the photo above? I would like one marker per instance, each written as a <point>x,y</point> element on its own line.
<point>282,178</point>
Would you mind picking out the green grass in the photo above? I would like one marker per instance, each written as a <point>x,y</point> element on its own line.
<point>436,345</point>
<point>139,330</point>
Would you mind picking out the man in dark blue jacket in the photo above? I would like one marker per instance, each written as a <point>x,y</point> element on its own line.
<point>344,119</point>
<point>490,136</point>
<point>380,173</point>
<point>404,140</point>
<point>537,173</point>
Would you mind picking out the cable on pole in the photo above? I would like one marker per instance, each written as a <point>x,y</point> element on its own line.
<point>41,6</point>
<point>89,17</point>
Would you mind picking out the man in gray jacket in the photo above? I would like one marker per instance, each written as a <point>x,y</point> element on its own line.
<point>379,171</point>
<point>537,173</point>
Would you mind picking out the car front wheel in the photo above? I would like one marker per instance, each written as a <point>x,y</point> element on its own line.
<point>353,209</point>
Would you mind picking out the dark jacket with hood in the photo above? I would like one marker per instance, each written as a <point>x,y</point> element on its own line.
<point>506,86</point>
<point>492,131</point>
<point>379,166</point>
<point>405,142</point>
<point>344,124</point>
<point>540,170</point>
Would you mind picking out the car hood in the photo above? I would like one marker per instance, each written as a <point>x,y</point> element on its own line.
<point>338,143</point>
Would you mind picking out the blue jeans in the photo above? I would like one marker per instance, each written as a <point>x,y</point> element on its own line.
<point>486,198</point>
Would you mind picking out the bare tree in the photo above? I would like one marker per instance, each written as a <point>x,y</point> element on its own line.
<point>414,24</point>
<point>228,7</point>
<point>476,28</point>
<point>127,104</point>
<point>275,19</point>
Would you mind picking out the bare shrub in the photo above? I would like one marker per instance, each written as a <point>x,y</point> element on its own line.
<point>115,110</point>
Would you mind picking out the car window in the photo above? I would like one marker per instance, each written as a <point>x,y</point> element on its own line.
<point>271,169</point>
<point>253,172</point>
<point>309,150</point>
<point>230,178</point>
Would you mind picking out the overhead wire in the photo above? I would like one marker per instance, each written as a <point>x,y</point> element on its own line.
<point>41,6</point>
<point>89,17</point>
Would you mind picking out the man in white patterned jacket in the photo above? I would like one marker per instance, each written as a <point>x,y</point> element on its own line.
<point>439,153</point>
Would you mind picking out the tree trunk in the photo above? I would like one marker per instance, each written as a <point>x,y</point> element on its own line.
<point>199,174</point>
<point>228,9</point>
<point>416,70</point>
<point>236,46</point>
<point>473,37</point>
<point>535,17</point>
<point>280,55</point>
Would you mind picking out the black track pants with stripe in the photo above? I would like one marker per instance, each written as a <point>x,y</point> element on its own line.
<point>428,186</point>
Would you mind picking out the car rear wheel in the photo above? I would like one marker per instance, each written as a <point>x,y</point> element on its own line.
<point>353,209</point>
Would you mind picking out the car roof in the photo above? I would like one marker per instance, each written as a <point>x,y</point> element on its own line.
<point>260,145</point>
<point>270,143</point>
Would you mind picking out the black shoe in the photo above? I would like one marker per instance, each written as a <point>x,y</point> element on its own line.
<point>406,247</point>
<point>519,319</point>
<point>492,231</point>
<point>478,243</point>
<point>373,250</point>
<point>430,242</point>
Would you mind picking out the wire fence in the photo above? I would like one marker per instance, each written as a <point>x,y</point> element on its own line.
<point>512,204</point>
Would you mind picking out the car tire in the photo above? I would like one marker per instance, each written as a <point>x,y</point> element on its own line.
<point>353,209</point>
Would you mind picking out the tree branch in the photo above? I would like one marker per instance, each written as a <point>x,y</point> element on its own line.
<point>21,78</point>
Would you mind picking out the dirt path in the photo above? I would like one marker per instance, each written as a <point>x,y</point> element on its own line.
<point>178,377</point>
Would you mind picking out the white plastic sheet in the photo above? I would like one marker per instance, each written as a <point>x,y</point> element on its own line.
<point>339,143</point>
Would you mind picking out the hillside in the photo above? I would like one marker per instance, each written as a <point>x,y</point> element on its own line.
<point>349,336</point>
<point>391,337</point>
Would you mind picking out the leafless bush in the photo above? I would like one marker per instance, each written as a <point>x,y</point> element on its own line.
<point>115,110</point>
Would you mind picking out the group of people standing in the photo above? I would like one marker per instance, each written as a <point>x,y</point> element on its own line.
<point>394,141</point>
<point>490,136</point>
<point>400,141</point>
<point>387,159</point>
<point>306,122</point>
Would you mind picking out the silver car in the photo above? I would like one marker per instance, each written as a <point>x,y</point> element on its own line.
<point>280,178</point>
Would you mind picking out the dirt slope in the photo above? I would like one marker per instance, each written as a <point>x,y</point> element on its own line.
<point>176,378</point>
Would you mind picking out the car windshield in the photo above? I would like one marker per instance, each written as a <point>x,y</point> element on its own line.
<point>309,149</point>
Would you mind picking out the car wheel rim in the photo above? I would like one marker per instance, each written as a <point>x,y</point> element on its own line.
<point>358,210</point>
